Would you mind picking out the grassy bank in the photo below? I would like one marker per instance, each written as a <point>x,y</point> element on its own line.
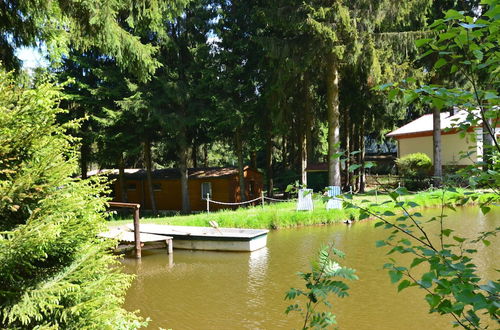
<point>284,215</point>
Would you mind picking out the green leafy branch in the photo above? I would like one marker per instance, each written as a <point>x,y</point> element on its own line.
<point>451,280</point>
<point>320,283</point>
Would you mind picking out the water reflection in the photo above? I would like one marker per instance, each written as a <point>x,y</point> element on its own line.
<point>257,268</point>
<point>137,265</point>
<point>217,290</point>
<point>257,274</point>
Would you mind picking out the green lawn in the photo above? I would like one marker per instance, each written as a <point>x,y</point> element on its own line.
<point>284,215</point>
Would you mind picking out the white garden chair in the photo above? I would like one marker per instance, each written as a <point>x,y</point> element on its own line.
<point>305,202</point>
<point>333,201</point>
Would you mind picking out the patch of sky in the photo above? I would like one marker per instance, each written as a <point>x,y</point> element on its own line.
<point>32,57</point>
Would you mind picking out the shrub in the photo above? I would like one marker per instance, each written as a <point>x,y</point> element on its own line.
<point>415,165</point>
<point>415,168</point>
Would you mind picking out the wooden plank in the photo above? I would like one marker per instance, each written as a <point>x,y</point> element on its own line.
<point>126,205</point>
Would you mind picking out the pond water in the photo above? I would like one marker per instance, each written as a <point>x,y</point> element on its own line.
<point>219,290</point>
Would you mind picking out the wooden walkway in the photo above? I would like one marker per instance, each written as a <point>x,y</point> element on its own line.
<point>127,237</point>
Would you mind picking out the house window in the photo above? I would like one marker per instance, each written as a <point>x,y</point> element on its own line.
<point>131,187</point>
<point>206,188</point>
<point>156,186</point>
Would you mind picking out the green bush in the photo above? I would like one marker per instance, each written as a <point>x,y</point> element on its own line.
<point>415,169</point>
<point>415,165</point>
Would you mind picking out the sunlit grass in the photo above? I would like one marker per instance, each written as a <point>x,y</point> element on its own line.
<point>284,214</point>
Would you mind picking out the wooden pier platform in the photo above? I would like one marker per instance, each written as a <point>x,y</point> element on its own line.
<point>126,237</point>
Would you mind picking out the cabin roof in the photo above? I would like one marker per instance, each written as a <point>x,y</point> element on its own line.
<point>419,125</point>
<point>317,167</point>
<point>424,124</point>
<point>173,173</point>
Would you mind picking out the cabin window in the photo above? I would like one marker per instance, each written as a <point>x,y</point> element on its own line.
<point>156,186</point>
<point>131,187</point>
<point>206,188</point>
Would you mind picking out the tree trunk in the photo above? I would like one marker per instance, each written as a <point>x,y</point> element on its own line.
<point>303,158</point>
<point>84,154</point>
<point>347,147</point>
<point>241,171</point>
<point>205,155</point>
<point>183,171</point>
<point>362,155</point>
<point>84,147</point>
<point>436,146</point>
<point>353,128</point>
<point>309,131</point>
<point>269,162</point>
<point>305,130</point>
<point>332,100</point>
<point>121,179</point>
<point>302,153</point>
<point>194,154</point>
<point>284,156</point>
<point>356,147</point>
<point>147,160</point>
<point>292,147</point>
<point>487,145</point>
<point>182,123</point>
<point>253,159</point>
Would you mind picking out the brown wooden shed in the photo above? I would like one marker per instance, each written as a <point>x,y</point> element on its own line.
<point>220,182</point>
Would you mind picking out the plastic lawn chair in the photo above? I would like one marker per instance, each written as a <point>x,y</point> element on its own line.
<point>333,202</point>
<point>305,202</point>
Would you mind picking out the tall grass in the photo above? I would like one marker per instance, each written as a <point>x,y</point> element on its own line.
<point>284,214</point>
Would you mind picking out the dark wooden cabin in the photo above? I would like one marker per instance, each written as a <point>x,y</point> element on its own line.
<point>220,182</point>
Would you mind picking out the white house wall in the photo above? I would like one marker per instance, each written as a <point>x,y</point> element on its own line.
<point>416,144</point>
<point>451,146</point>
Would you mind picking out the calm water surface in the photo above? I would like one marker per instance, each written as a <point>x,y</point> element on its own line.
<point>219,290</point>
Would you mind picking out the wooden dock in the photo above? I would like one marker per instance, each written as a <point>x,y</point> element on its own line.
<point>126,237</point>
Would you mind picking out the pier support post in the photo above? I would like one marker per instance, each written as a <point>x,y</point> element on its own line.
<point>137,234</point>
<point>170,246</point>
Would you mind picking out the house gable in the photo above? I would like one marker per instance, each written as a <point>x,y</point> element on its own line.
<point>416,136</point>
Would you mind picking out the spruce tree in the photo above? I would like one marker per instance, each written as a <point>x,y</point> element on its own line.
<point>110,26</point>
<point>54,271</point>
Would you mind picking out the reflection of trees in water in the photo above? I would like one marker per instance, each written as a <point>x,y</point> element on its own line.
<point>310,243</point>
<point>486,259</point>
<point>148,268</point>
<point>257,275</point>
